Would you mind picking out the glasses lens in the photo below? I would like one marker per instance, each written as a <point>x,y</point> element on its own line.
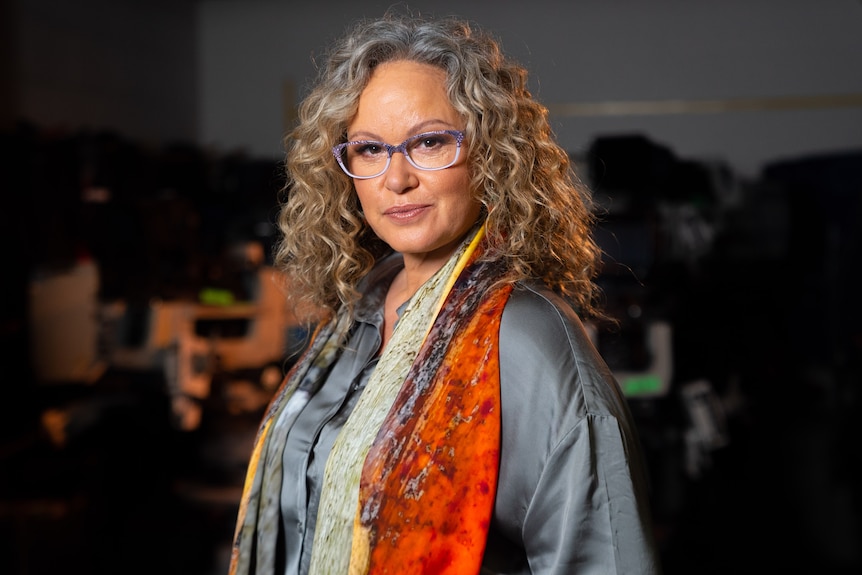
<point>428,151</point>
<point>365,159</point>
<point>433,150</point>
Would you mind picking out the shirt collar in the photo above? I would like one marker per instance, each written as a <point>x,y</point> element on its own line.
<point>374,286</point>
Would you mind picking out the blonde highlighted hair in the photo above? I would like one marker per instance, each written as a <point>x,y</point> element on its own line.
<point>538,215</point>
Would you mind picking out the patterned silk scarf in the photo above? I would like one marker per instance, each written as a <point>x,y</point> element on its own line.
<point>409,486</point>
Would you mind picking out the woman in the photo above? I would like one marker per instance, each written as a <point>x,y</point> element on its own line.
<point>449,414</point>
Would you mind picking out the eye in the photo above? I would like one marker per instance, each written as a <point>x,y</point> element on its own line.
<point>432,144</point>
<point>432,140</point>
<point>367,148</point>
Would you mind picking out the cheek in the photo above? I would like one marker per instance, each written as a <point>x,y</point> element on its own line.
<point>459,192</point>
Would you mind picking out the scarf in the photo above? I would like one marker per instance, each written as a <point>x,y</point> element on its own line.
<point>410,483</point>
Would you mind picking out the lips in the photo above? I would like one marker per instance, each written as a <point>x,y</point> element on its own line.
<point>405,211</point>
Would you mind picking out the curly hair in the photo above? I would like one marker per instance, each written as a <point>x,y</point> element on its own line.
<point>539,216</point>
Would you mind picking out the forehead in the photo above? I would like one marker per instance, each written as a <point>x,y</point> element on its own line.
<point>401,95</point>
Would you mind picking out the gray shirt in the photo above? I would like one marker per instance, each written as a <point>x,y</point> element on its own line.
<point>571,494</point>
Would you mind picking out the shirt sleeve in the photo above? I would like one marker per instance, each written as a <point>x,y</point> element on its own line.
<point>572,491</point>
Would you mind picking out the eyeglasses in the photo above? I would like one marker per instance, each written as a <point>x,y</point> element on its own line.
<point>364,159</point>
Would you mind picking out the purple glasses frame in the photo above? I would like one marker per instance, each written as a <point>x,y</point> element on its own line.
<point>338,152</point>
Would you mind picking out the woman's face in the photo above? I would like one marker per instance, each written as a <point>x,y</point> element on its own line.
<point>421,214</point>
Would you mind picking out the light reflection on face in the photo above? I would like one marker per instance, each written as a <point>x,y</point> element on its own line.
<point>421,214</point>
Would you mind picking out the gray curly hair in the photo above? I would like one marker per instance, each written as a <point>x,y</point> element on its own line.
<point>538,214</point>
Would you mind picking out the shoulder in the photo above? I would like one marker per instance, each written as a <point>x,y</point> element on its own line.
<point>536,314</point>
<point>559,403</point>
<point>546,353</point>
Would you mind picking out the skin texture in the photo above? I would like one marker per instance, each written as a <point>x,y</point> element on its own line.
<point>421,214</point>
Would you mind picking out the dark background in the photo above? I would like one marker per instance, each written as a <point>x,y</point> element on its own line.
<point>757,275</point>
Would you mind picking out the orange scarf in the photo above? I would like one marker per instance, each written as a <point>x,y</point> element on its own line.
<point>428,482</point>
<point>428,485</point>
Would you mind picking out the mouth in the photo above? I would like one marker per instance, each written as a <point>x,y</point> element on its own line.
<point>405,212</point>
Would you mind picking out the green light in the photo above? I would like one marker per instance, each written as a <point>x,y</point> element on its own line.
<point>641,385</point>
<point>215,296</point>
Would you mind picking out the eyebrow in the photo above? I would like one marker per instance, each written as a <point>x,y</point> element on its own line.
<point>421,127</point>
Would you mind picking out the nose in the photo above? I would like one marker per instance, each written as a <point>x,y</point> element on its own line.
<point>401,175</point>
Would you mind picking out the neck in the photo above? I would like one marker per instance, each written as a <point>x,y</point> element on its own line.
<point>415,273</point>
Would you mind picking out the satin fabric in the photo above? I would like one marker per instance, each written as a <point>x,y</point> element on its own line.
<point>572,493</point>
